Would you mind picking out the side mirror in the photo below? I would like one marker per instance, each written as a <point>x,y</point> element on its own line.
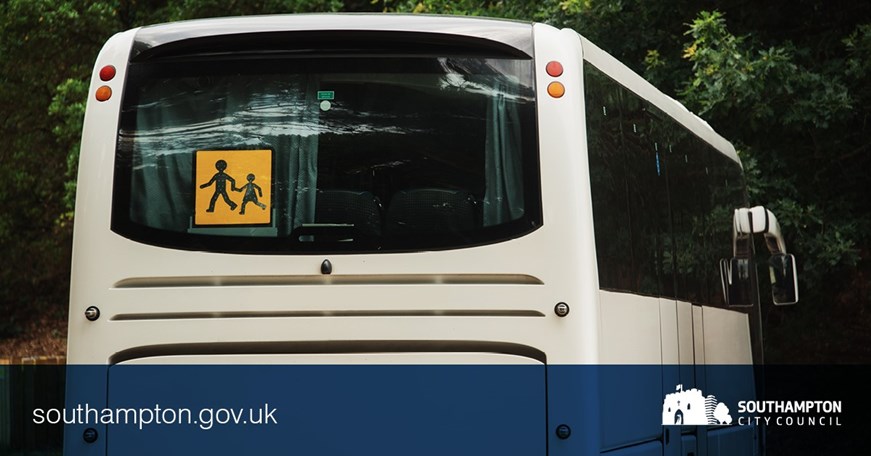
<point>784,282</point>
<point>758,220</point>
<point>737,276</point>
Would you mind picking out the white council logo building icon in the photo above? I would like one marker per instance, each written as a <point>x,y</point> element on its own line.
<point>691,407</point>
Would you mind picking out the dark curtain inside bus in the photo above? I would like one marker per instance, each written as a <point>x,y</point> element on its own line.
<point>176,117</point>
<point>503,198</point>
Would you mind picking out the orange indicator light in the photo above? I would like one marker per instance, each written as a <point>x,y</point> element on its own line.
<point>556,89</point>
<point>104,93</point>
<point>554,68</point>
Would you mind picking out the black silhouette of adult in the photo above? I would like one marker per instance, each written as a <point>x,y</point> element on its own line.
<point>220,180</point>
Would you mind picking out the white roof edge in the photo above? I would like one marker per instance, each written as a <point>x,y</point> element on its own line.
<point>632,81</point>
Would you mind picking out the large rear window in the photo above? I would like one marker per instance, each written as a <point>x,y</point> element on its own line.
<point>267,154</point>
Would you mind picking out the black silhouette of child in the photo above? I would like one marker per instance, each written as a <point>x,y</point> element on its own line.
<point>220,180</point>
<point>251,191</point>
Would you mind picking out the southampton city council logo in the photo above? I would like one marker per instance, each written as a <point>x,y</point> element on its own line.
<point>691,407</point>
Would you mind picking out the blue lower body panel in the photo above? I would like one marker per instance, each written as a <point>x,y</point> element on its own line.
<point>646,449</point>
<point>321,410</point>
<point>392,409</point>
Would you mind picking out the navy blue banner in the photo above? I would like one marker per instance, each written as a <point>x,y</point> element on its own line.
<point>436,410</point>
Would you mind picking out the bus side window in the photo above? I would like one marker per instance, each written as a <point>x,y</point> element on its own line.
<point>645,194</point>
<point>608,181</point>
<point>689,208</point>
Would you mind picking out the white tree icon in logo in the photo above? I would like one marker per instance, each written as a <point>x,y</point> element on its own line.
<point>721,414</point>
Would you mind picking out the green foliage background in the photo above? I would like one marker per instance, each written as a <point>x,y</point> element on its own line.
<point>786,81</point>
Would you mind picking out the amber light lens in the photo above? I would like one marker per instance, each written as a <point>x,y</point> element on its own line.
<point>104,93</point>
<point>556,89</point>
<point>107,73</point>
<point>554,68</point>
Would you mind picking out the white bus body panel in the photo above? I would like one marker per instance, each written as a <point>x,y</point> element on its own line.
<point>133,284</point>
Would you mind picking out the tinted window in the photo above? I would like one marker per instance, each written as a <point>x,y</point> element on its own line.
<point>609,183</point>
<point>327,154</point>
<point>662,198</point>
<point>630,205</point>
<point>648,202</point>
<point>690,208</point>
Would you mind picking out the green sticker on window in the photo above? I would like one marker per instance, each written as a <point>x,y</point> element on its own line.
<point>326,94</point>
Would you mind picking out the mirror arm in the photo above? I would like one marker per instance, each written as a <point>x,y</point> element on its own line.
<point>758,220</point>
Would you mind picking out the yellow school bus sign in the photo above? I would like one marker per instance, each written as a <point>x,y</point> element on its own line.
<point>233,187</point>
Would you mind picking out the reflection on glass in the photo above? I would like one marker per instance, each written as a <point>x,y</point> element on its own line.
<point>385,144</point>
<point>662,198</point>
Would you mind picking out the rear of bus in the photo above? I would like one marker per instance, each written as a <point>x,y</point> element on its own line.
<point>333,235</point>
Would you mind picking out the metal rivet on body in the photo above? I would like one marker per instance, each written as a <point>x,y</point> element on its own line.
<point>92,313</point>
<point>90,435</point>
